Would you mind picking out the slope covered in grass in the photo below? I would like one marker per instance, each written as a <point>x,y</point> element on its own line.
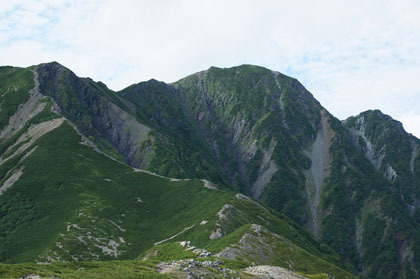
<point>72,203</point>
<point>82,270</point>
<point>69,189</point>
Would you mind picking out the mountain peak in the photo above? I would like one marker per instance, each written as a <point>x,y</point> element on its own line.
<point>52,64</point>
<point>375,118</point>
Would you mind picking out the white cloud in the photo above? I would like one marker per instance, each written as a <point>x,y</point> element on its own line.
<point>352,55</point>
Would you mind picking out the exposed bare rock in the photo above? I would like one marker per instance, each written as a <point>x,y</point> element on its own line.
<point>25,111</point>
<point>253,244</point>
<point>209,185</point>
<point>273,272</point>
<point>390,173</point>
<point>373,155</point>
<point>33,133</point>
<point>11,180</point>
<point>267,169</point>
<point>320,160</point>
<point>89,107</point>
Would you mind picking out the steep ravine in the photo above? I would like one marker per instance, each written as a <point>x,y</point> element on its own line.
<point>319,155</point>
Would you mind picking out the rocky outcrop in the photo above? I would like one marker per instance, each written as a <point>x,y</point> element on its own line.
<point>374,155</point>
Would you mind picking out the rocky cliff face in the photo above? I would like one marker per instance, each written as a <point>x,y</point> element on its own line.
<point>98,113</point>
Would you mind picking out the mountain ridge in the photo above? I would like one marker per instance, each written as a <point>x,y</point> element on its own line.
<point>256,131</point>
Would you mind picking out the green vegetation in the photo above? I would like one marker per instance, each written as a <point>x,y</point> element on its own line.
<point>15,84</point>
<point>315,276</point>
<point>228,240</point>
<point>46,114</point>
<point>228,126</point>
<point>179,149</point>
<point>62,169</point>
<point>16,147</point>
<point>99,189</point>
<point>82,270</point>
<point>81,101</point>
<point>396,147</point>
<point>167,252</point>
<point>387,221</point>
<point>268,248</point>
<point>198,119</point>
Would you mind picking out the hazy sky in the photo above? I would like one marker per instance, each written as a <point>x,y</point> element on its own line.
<point>352,55</point>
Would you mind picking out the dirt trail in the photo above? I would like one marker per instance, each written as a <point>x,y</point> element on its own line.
<point>175,235</point>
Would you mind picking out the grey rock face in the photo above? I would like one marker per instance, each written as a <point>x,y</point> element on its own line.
<point>97,112</point>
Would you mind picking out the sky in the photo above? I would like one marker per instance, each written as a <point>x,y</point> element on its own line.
<point>351,55</point>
